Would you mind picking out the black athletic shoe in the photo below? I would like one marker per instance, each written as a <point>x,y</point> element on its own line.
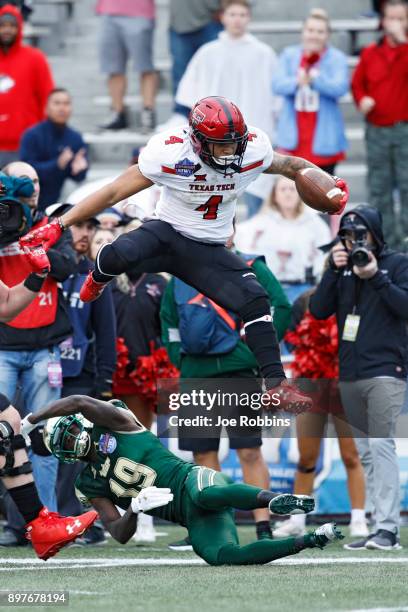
<point>383,540</point>
<point>358,544</point>
<point>117,121</point>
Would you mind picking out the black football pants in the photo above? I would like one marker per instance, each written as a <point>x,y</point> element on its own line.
<point>212,269</point>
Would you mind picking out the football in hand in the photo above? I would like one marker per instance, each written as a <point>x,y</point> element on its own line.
<point>318,190</point>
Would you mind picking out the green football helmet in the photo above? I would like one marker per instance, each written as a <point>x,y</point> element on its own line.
<point>68,438</point>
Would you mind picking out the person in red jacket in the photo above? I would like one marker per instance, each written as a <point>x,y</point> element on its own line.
<point>25,82</point>
<point>380,90</point>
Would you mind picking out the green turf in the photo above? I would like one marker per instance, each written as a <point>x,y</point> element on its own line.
<point>192,588</point>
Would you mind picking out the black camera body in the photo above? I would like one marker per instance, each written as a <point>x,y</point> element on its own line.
<point>353,230</point>
<point>15,215</point>
<point>13,222</point>
<point>359,256</point>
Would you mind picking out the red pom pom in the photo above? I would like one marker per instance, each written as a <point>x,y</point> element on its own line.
<point>122,358</point>
<point>316,348</point>
<point>148,370</point>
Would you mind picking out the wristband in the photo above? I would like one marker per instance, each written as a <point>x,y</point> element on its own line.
<point>34,282</point>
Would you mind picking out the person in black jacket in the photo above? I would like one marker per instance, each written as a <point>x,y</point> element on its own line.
<point>366,286</point>
<point>30,354</point>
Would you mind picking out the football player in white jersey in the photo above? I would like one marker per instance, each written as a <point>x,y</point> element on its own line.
<point>203,167</point>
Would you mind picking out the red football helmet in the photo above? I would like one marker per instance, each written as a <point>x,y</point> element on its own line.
<point>216,120</point>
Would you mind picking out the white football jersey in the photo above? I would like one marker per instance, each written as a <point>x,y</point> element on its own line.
<point>195,199</point>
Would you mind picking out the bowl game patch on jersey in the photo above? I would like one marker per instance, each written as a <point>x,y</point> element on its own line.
<point>185,167</point>
<point>107,443</point>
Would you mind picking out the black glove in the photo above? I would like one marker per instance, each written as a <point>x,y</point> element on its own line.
<point>37,442</point>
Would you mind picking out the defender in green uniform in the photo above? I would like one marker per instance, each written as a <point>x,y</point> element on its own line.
<point>128,467</point>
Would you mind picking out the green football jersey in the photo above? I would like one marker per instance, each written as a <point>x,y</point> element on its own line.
<point>128,462</point>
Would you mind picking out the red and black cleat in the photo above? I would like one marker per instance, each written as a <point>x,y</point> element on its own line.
<point>91,290</point>
<point>289,398</point>
<point>50,532</point>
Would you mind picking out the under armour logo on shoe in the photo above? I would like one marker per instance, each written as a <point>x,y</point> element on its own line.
<point>71,528</point>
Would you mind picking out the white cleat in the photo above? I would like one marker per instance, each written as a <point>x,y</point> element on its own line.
<point>327,533</point>
<point>288,529</point>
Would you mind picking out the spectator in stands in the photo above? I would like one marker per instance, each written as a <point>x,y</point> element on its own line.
<point>88,356</point>
<point>54,149</point>
<point>367,290</point>
<point>192,24</point>
<point>312,77</point>
<point>110,219</point>
<point>25,82</point>
<point>127,34</point>
<point>209,346</point>
<point>240,68</point>
<point>316,357</point>
<point>380,89</point>
<point>25,6</point>
<point>30,353</point>
<point>288,234</point>
<point>101,236</point>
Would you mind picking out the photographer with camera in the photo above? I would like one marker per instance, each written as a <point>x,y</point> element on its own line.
<point>29,343</point>
<point>366,286</point>
<point>15,299</point>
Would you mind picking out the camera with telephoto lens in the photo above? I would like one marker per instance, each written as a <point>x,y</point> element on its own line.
<point>15,214</point>
<point>359,255</point>
<point>355,232</point>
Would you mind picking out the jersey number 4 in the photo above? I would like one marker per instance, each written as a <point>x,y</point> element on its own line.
<point>210,208</point>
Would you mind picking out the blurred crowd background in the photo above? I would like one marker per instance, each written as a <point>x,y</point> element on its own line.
<point>85,83</point>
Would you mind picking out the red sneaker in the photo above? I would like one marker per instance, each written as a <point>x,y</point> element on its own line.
<point>50,532</point>
<point>91,290</point>
<point>290,398</point>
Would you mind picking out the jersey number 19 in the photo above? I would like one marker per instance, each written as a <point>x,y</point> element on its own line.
<point>129,472</point>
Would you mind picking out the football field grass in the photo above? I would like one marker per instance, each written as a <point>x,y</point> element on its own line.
<point>155,579</point>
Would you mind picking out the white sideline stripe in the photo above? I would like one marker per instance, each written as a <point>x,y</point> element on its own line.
<point>399,609</point>
<point>28,564</point>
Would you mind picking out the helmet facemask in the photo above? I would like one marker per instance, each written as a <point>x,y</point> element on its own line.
<point>68,438</point>
<point>204,147</point>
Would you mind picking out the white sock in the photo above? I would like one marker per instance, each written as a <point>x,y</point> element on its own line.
<point>299,520</point>
<point>145,520</point>
<point>357,515</point>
